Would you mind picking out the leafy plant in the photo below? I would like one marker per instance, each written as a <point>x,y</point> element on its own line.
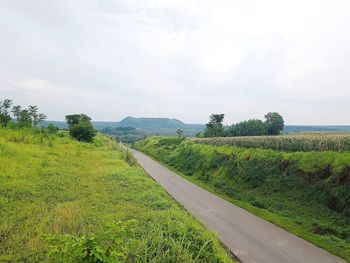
<point>111,244</point>
<point>5,117</point>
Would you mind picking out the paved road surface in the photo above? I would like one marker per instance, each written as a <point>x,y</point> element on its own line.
<point>250,238</point>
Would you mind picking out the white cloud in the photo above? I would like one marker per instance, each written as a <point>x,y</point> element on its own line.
<point>183,59</point>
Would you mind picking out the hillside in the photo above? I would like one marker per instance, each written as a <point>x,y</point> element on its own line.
<point>82,201</point>
<point>144,123</point>
<point>306,193</point>
<point>151,126</point>
<point>161,126</point>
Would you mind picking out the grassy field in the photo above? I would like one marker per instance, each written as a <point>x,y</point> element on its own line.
<point>63,201</point>
<point>295,142</point>
<point>307,193</point>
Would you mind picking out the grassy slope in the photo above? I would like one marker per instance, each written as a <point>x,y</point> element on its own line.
<point>54,185</point>
<point>289,202</point>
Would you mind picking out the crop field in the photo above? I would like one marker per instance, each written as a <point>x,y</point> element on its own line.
<point>303,142</point>
<point>68,201</point>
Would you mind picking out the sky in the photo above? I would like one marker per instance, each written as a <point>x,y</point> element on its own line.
<point>181,59</point>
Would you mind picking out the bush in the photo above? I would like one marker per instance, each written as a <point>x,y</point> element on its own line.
<point>80,127</point>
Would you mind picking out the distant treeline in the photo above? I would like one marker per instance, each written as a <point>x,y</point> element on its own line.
<point>125,134</point>
<point>17,117</point>
<point>273,125</point>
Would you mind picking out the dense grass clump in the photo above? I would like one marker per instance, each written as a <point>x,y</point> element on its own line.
<point>291,143</point>
<point>67,201</point>
<point>307,193</point>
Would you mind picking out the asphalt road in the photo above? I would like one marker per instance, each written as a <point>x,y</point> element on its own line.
<point>250,238</point>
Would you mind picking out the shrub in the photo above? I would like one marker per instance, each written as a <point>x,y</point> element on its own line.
<point>80,127</point>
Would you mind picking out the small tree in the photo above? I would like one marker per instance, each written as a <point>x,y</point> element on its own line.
<point>5,117</point>
<point>80,127</point>
<point>35,115</point>
<point>25,119</point>
<point>179,133</point>
<point>16,111</point>
<point>214,127</point>
<point>274,123</point>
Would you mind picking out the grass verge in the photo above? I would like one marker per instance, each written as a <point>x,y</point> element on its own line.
<point>67,201</point>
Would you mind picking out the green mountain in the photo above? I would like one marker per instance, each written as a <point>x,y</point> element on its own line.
<point>160,126</point>
<point>151,123</point>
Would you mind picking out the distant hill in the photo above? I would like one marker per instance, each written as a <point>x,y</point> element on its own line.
<point>151,126</point>
<point>161,126</point>
<point>143,123</point>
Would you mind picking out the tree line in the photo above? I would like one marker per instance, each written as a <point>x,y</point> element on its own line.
<point>273,125</point>
<point>16,116</point>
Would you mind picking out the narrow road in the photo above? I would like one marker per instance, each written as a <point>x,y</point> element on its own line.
<point>250,238</point>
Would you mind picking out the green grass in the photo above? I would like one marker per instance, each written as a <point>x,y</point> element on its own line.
<point>52,186</point>
<point>297,200</point>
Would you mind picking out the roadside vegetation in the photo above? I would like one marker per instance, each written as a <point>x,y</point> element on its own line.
<point>306,193</point>
<point>62,200</point>
<point>76,196</point>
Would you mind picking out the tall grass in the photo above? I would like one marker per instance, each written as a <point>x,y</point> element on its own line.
<point>300,142</point>
<point>58,197</point>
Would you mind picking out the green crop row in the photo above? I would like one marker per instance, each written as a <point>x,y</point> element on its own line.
<point>293,143</point>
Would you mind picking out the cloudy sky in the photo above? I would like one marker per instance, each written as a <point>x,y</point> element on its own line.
<point>182,59</point>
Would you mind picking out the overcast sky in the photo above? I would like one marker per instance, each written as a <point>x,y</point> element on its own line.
<point>181,59</point>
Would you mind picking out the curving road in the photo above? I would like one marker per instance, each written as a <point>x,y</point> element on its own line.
<point>250,238</point>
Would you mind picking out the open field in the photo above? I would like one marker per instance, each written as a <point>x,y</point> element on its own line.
<point>296,142</point>
<point>60,195</point>
<point>306,193</point>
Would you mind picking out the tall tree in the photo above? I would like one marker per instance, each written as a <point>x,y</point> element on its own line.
<point>16,111</point>
<point>274,123</point>
<point>214,128</point>
<point>25,119</point>
<point>5,107</point>
<point>35,115</point>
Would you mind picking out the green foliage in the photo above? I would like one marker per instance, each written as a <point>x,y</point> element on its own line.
<point>274,123</point>
<point>251,127</point>
<point>80,127</point>
<point>125,134</point>
<point>35,116</point>
<point>179,133</point>
<point>5,117</point>
<point>51,129</point>
<point>291,143</point>
<point>26,118</point>
<point>309,192</point>
<point>83,196</point>
<point>108,245</point>
<point>214,128</point>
